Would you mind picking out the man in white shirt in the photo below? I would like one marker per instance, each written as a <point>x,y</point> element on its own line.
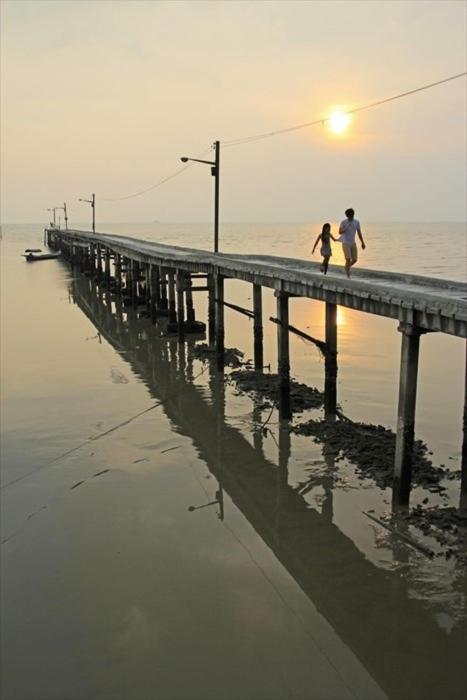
<point>348,229</point>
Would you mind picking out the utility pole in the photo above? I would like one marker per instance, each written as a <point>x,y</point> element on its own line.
<point>216,172</point>
<point>66,217</point>
<point>52,209</point>
<point>92,202</point>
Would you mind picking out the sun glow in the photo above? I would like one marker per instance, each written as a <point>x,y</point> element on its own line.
<point>338,122</point>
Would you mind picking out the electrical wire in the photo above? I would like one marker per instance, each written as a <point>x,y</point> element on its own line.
<point>157,184</point>
<point>323,120</point>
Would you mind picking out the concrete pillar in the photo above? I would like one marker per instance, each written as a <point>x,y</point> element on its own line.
<point>220,333</point>
<point>172,310</point>
<point>134,273</point>
<point>258,327</point>
<point>118,272</point>
<point>180,306</point>
<point>283,358</point>
<point>406,413</point>
<point>147,288</point>
<point>211,311</point>
<point>330,363</point>
<point>154,288</point>
<point>107,265</point>
<point>464,429</point>
<point>163,302</point>
<point>98,263</point>
<point>190,311</point>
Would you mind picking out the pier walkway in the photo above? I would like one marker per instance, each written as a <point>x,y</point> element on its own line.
<point>161,277</point>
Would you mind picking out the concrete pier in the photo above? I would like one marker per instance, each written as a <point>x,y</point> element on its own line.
<point>419,304</point>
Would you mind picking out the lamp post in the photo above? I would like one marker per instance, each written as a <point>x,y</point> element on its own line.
<point>92,202</point>
<point>215,172</point>
<point>66,217</point>
<point>53,209</point>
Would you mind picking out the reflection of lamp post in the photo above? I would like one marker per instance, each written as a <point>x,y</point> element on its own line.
<point>53,209</point>
<point>219,500</point>
<point>216,173</point>
<point>92,202</point>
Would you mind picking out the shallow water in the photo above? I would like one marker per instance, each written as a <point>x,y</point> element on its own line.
<point>112,588</point>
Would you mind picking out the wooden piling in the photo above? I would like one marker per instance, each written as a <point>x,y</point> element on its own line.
<point>283,359</point>
<point>406,413</point>
<point>220,333</point>
<point>98,263</point>
<point>180,306</point>
<point>258,327</point>
<point>330,363</point>
<point>118,272</point>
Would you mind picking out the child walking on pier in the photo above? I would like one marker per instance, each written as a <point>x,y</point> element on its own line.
<point>326,251</point>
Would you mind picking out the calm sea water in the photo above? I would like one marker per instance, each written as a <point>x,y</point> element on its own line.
<point>113,588</point>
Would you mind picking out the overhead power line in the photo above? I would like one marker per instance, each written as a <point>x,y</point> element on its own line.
<point>286,130</point>
<point>157,184</point>
<point>322,120</point>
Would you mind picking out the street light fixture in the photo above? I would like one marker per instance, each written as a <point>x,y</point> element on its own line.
<point>92,202</point>
<point>215,172</point>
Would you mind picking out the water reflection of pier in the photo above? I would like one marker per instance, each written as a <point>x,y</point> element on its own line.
<point>394,636</point>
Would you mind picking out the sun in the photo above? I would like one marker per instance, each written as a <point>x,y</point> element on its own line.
<point>338,122</point>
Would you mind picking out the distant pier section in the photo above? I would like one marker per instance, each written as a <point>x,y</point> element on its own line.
<point>161,277</point>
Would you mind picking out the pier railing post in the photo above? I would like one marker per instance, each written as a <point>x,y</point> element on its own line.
<point>180,306</point>
<point>283,358</point>
<point>258,327</point>
<point>406,413</point>
<point>330,363</point>
<point>219,296</point>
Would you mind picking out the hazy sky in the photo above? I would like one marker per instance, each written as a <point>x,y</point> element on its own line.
<point>104,96</point>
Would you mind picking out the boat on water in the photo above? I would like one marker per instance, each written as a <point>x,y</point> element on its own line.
<point>31,256</point>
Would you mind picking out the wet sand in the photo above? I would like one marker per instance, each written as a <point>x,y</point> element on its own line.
<point>120,581</point>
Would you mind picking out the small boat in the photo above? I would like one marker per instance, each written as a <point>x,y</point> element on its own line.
<point>32,256</point>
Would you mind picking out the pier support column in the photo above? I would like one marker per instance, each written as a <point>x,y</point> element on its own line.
<point>406,413</point>
<point>163,287</point>
<point>283,357</point>
<point>211,311</point>
<point>107,266</point>
<point>464,442</point>
<point>154,277</point>
<point>180,306</point>
<point>99,263</point>
<point>190,311</point>
<point>147,288</point>
<point>330,363</point>
<point>134,267</point>
<point>220,333</point>
<point>258,327</point>
<point>172,310</point>
<point>118,272</point>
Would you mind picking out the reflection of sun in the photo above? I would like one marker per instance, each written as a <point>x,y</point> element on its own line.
<point>338,122</point>
<point>340,316</point>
